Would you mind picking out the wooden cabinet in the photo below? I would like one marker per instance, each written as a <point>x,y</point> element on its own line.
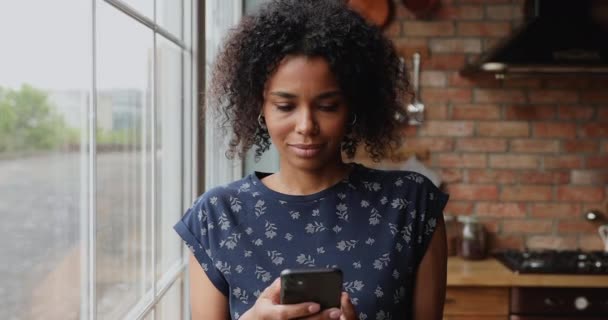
<point>476,303</point>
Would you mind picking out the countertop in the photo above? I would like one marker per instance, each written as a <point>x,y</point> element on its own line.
<point>491,273</point>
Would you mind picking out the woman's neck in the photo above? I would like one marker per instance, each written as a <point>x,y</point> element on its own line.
<point>305,182</point>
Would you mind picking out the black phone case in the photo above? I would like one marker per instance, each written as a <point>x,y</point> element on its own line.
<point>323,286</point>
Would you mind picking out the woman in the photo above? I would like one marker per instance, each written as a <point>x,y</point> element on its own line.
<point>312,77</point>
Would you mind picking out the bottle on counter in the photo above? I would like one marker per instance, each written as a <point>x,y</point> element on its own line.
<point>472,240</point>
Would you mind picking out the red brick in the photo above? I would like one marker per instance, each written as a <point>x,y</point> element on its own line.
<point>594,130</point>
<point>534,146</point>
<point>563,82</point>
<point>590,177</point>
<point>553,96</point>
<point>473,192</point>
<point>444,62</point>
<point>475,112</point>
<point>500,209</point>
<point>545,177</point>
<point>554,129</point>
<point>527,226</point>
<point>526,193</point>
<point>489,43</point>
<point>522,83</point>
<point>555,210</point>
<point>408,131</point>
<point>428,28</point>
<point>597,162</point>
<point>432,144</point>
<point>590,242</point>
<point>447,128</point>
<point>484,29</point>
<point>463,160</point>
<point>502,12</point>
<point>599,96</point>
<point>576,226</point>
<point>503,129</point>
<point>598,83</point>
<point>475,81</point>
<point>435,111</point>
<point>433,79</point>
<point>563,162</point>
<point>602,114</point>
<point>481,145</point>
<point>499,96</point>
<point>581,146</point>
<point>580,193</point>
<point>552,242</point>
<point>468,12</point>
<point>451,175</point>
<point>457,45</point>
<point>406,47</point>
<point>458,208</point>
<point>492,176</point>
<point>401,12</point>
<point>393,30</point>
<point>605,146</point>
<point>438,95</point>
<point>530,112</point>
<point>576,112</point>
<point>514,161</point>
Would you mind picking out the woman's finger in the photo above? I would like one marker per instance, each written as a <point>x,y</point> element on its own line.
<point>347,308</point>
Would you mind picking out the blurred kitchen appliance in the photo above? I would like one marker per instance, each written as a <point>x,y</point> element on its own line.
<point>551,303</point>
<point>555,261</point>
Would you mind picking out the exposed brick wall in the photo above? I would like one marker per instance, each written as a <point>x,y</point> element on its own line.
<point>527,155</point>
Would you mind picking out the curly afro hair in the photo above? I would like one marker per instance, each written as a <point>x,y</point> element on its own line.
<point>365,63</point>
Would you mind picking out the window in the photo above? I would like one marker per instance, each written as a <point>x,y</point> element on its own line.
<point>96,146</point>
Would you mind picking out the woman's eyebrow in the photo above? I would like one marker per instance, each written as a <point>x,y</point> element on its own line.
<point>324,95</point>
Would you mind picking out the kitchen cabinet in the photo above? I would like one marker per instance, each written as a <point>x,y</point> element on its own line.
<point>484,303</point>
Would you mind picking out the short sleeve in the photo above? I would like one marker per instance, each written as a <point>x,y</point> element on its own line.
<point>192,228</point>
<point>431,202</point>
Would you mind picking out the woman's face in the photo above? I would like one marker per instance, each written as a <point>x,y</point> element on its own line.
<point>305,113</point>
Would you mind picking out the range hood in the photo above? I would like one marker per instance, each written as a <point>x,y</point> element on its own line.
<point>558,36</point>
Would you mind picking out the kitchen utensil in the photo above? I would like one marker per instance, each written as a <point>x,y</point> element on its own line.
<point>415,110</point>
<point>603,231</point>
<point>377,12</point>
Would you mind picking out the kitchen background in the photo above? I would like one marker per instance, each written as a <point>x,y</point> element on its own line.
<point>527,155</point>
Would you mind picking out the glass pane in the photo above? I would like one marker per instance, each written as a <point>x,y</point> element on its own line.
<point>188,25</point>
<point>169,16</point>
<point>124,79</point>
<point>170,305</point>
<point>169,112</point>
<point>45,81</point>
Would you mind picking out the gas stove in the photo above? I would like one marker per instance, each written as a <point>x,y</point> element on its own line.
<point>555,262</point>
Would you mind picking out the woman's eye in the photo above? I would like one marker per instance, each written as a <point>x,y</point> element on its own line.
<point>329,107</point>
<point>284,107</point>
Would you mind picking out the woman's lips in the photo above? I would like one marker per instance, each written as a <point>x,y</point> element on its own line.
<point>306,150</point>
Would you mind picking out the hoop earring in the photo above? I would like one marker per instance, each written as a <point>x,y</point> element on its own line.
<point>261,121</point>
<point>352,123</point>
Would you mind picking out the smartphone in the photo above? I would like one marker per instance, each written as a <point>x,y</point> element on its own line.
<point>320,285</point>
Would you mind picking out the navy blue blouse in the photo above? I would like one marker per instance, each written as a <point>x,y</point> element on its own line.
<point>374,225</point>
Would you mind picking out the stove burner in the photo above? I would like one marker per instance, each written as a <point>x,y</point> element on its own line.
<point>555,262</point>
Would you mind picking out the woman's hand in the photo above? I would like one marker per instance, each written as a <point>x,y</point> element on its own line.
<point>268,307</point>
<point>347,308</point>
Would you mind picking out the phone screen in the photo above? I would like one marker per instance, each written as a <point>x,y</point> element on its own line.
<point>323,286</point>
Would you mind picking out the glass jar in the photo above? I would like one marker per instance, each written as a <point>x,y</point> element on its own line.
<point>472,239</point>
<point>451,232</point>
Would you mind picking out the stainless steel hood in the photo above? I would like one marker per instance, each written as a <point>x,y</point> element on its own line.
<point>558,36</point>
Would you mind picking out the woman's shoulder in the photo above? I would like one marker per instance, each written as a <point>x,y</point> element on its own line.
<point>397,178</point>
<point>228,194</point>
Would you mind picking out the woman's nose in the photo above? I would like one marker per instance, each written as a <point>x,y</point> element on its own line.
<point>306,123</point>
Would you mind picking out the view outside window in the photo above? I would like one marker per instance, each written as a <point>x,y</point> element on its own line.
<point>71,195</point>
